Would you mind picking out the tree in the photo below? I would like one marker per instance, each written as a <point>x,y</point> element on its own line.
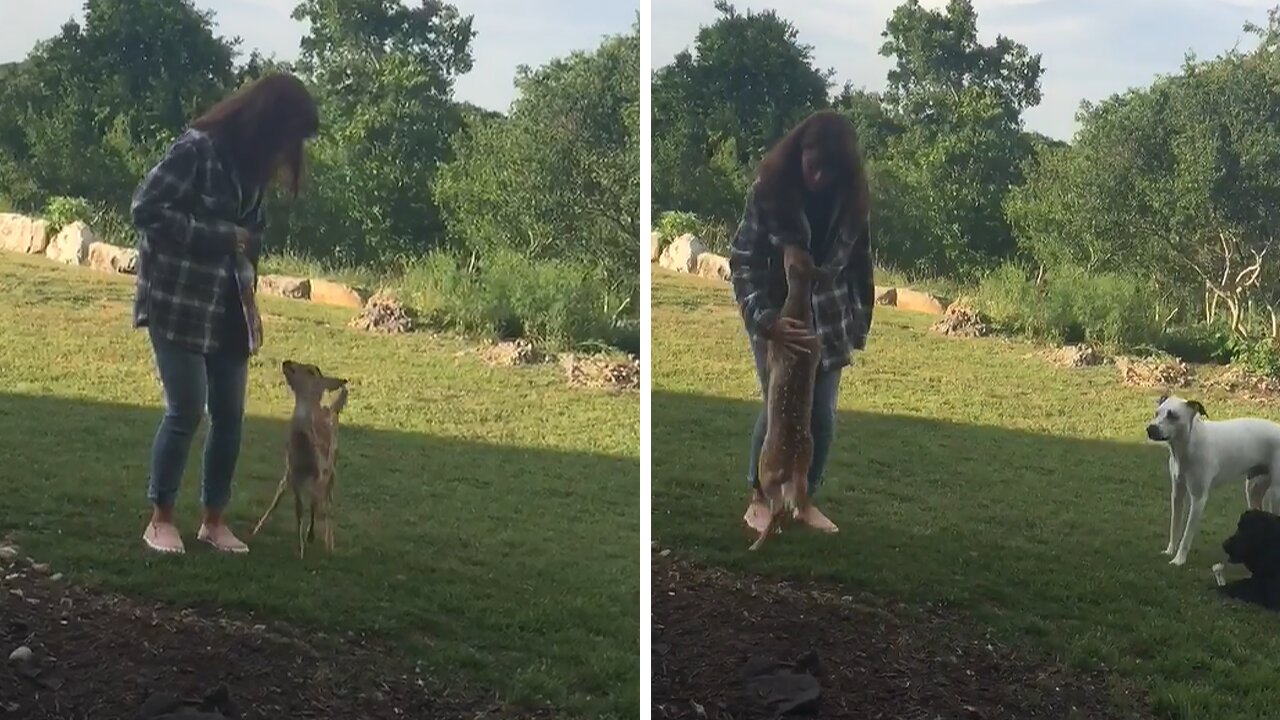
<point>86,111</point>
<point>559,177</point>
<point>383,74</point>
<point>1179,182</point>
<point>959,104</point>
<point>719,108</point>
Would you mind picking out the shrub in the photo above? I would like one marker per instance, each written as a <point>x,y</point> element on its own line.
<point>673,223</point>
<point>1198,343</point>
<point>1258,357</point>
<point>1071,306</point>
<point>561,304</point>
<point>61,211</point>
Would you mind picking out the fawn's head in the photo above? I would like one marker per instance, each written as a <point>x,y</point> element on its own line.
<point>798,265</point>
<point>308,383</point>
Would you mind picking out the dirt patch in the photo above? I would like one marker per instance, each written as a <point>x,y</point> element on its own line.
<point>1238,381</point>
<point>713,630</point>
<point>962,320</point>
<point>1076,356</point>
<point>1154,373</point>
<point>599,372</point>
<point>97,656</point>
<point>384,314</point>
<point>513,353</point>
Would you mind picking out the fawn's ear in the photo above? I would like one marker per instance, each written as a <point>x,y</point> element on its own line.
<point>334,383</point>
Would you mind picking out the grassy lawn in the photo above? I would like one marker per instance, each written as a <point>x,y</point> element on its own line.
<point>970,475</point>
<point>487,519</point>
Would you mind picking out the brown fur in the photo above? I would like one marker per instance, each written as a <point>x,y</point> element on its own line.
<point>788,441</point>
<point>310,469</point>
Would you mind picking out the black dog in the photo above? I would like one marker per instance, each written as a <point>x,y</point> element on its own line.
<point>1256,545</point>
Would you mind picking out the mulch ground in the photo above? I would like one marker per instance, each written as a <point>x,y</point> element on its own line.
<point>100,656</point>
<point>723,645</point>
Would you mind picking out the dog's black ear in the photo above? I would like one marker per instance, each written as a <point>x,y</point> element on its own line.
<point>1161,399</point>
<point>1195,405</point>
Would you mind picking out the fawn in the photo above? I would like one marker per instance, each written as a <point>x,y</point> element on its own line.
<point>313,444</point>
<point>782,481</point>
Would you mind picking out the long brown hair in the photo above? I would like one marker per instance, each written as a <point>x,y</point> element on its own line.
<point>262,127</point>
<point>780,176</point>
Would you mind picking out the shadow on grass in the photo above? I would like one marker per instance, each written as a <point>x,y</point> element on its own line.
<point>1050,541</point>
<point>508,568</point>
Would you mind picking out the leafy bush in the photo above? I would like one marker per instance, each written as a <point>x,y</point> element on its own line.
<point>61,211</point>
<point>560,304</point>
<point>1070,306</point>
<point>1259,357</point>
<point>672,224</point>
<point>1198,343</point>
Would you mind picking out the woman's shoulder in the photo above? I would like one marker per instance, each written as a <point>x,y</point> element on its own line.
<point>192,140</point>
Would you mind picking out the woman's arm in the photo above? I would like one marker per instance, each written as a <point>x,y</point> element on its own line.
<point>752,247</point>
<point>161,206</point>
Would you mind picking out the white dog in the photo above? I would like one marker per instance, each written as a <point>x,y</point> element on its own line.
<point>1203,454</point>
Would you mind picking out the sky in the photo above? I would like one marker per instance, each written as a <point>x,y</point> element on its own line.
<point>508,33</point>
<point>1090,49</point>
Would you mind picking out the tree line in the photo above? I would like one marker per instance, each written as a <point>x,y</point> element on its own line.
<point>1158,219</point>
<point>401,170</point>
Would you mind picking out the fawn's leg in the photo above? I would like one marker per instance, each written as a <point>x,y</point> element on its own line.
<point>284,483</point>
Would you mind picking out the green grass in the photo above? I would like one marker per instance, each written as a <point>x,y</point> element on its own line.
<point>973,475</point>
<point>487,519</point>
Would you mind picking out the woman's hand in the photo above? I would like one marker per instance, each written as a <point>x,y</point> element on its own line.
<point>793,334</point>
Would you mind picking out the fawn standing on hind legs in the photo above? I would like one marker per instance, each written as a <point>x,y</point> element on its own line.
<point>783,479</point>
<point>313,444</point>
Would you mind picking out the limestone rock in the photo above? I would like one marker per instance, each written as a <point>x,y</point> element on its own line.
<point>916,301</point>
<point>71,246</point>
<point>327,292</point>
<point>109,258</point>
<point>682,254</point>
<point>886,295</point>
<point>19,233</point>
<point>714,267</point>
<point>284,286</point>
<point>655,246</point>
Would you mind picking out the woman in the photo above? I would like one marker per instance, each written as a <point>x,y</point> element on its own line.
<point>200,221</point>
<point>810,191</point>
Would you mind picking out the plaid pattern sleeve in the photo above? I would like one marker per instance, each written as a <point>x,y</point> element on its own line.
<point>842,305</point>
<point>162,205</point>
<point>751,270</point>
<point>186,211</point>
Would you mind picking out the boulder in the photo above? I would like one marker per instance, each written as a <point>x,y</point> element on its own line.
<point>916,301</point>
<point>327,292</point>
<point>19,233</point>
<point>655,246</point>
<point>886,295</point>
<point>109,258</point>
<point>714,267</point>
<point>682,254</point>
<point>284,286</point>
<point>71,246</point>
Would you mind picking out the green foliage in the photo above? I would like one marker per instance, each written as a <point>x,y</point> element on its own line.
<point>86,112</point>
<point>673,223</point>
<point>559,177</point>
<point>1260,357</point>
<point>1179,182</point>
<point>718,108</point>
<point>382,73</point>
<point>555,303</point>
<point>61,211</point>
<point>1071,306</point>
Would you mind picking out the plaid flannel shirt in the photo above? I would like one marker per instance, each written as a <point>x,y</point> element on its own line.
<point>186,211</point>
<point>842,306</point>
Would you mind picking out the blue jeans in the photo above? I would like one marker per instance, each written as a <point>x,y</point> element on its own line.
<point>825,391</point>
<point>193,382</point>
